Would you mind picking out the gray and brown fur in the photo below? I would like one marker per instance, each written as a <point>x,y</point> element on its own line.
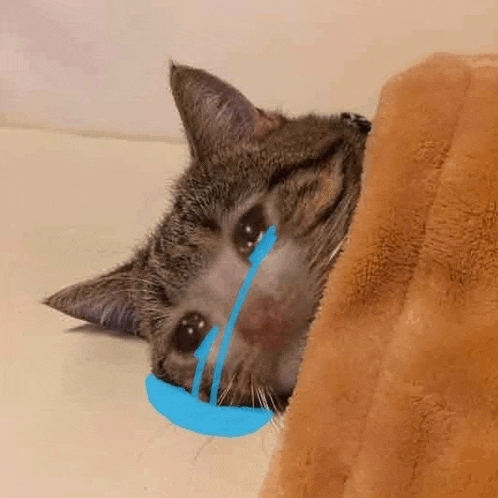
<point>305,175</point>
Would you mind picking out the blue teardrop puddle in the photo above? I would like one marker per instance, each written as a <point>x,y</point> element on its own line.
<point>185,409</point>
<point>187,412</point>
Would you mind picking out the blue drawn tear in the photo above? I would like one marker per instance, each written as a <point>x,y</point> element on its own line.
<point>185,409</point>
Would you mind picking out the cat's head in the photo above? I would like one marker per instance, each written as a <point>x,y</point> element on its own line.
<point>250,169</point>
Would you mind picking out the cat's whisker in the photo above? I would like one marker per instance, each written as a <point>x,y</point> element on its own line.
<point>271,397</point>
<point>267,406</point>
<point>336,250</point>
<point>258,393</point>
<point>226,390</point>
<point>223,395</point>
<point>246,378</point>
<point>252,389</point>
<point>263,398</point>
<point>317,254</point>
<point>276,423</point>
<point>272,401</point>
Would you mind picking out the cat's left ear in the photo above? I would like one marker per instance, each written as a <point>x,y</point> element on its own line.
<point>105,300</point>
<point>214,113</point>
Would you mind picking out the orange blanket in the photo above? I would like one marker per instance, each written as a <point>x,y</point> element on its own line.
<point>398,392</point>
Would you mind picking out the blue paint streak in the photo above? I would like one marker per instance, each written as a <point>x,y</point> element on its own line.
<point>202,354</point>
<point>262,249</point>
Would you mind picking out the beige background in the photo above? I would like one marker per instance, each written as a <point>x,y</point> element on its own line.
<point>101,64</point>
<point>74,420</point>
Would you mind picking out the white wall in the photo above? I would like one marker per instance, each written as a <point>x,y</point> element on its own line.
<point>102,64</point>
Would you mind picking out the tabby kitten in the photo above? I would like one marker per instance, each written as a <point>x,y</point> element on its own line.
<point>250,169</point>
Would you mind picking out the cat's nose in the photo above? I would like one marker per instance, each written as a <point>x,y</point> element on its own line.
<point>264,321</point>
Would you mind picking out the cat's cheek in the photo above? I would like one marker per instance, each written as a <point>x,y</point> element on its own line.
<point>288,367</point>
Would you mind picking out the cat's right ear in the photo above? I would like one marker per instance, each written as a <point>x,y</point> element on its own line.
<point>104,300</point>
<point>214,113</point>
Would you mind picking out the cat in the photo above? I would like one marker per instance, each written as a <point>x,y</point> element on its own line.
<point>249,169</point>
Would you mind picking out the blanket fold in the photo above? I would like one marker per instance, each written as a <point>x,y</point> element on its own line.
<point>398,391</point>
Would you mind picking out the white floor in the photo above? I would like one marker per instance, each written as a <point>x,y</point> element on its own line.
<point>74,419</point>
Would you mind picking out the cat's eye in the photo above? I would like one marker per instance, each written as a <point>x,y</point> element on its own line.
<point>249,230</point>
<point>190,331</point>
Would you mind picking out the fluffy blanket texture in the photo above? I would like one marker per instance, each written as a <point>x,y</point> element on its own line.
<point>398,392</point>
